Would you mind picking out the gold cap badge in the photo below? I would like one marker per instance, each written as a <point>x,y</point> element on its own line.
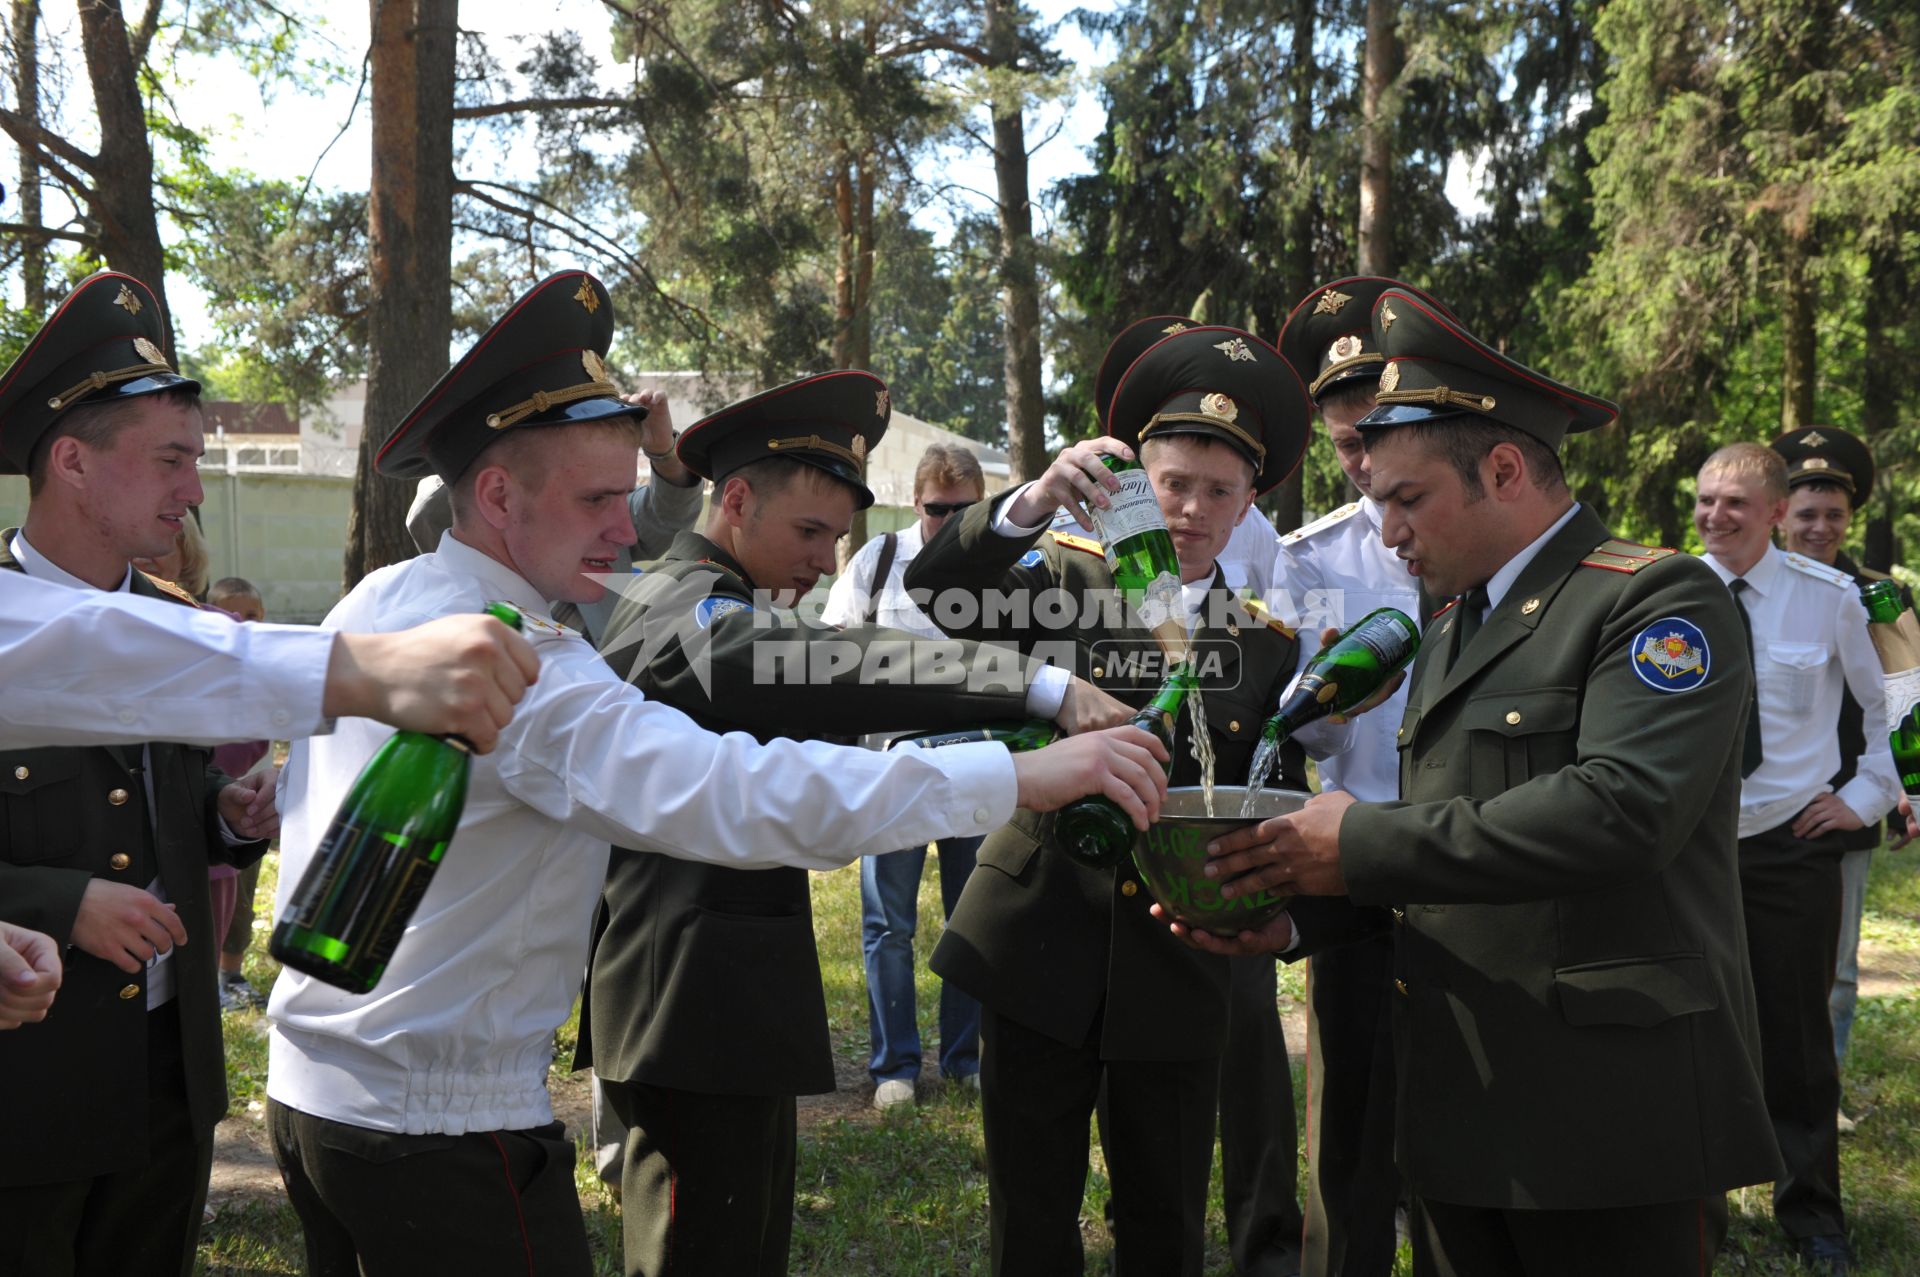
<point>1387,317</point>
<point>1813,439</point>
<point>882,400</point>
<point>1390,377</point>
<point>1345,348</point>
<point>1816,463</point>
<point>859,448</point>
<point>1235,349</point>
<point>596,367</point>
<point>128,299</point>
<point>1171,329</point>
<point>148,351</point>
<point>1330,302</point>
<point>586,296</point>
<point>1218,405</point>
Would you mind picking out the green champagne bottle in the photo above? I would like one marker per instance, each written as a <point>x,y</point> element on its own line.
<point>372,867</point>
<point>1095,830</point>
<point>1140,552</point>
<point>1020,737</point>
<point>1899,648</point>
<point>1347,671</point>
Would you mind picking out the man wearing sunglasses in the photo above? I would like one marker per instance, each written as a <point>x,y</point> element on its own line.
<point>947,481</point>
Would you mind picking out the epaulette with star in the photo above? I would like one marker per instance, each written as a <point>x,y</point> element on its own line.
<point>1616,555</point>
<point>1260,613</point>
<point>1072,541</point>
<point>534,627</point>
<point>1331,519</point>
<point>1817,570</point>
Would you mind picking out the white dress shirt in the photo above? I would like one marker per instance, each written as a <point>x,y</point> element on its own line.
<point>1332,572</point>
<point>1809,640</point>
<point>459,1034</point>
<point>88,667</point>
<point>852,591</point>
<point>1247,559</point>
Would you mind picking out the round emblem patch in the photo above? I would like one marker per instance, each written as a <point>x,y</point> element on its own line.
<point>1671,655</point>
<point>707,611</point>
<point>1031,559</point>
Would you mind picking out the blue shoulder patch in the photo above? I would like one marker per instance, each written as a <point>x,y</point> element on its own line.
<point>1031,559</point>
<point>1671,655</point>
<point>709,610</point>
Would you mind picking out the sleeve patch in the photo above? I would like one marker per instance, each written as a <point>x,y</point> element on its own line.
<point>709,610</point>
<point>1671,655</point>
<point>1031,559</point>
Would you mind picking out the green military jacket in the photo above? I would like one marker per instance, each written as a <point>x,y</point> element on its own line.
<point>68,816</point>
<point>1576,1021</point>
<point>1038,937</point>
<point>705,978</point>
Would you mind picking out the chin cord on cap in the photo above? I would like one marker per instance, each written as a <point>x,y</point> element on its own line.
<point>1438,395</point>
<point>545,399</point>
<point>1247,441</point>
<point>817,444</point>
<point>1334,370</point>
<point>101,380</point>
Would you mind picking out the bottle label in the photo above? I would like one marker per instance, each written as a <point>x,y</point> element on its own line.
<point>1386,639</point>
<point>1903,693</point>
<point>1135,510</point>
<point>338,853</point>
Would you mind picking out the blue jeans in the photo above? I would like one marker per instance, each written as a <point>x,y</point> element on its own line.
<point>1854,867</point>
<point>889,911</point>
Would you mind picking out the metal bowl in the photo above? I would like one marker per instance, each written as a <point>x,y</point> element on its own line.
<point>1171,855</point>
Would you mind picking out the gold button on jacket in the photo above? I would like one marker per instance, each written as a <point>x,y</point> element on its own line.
<point>131,991</point>
<point>117,797</point>
<point>119,860</point>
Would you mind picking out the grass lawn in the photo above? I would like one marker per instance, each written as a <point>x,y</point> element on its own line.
<point>907,1194</point>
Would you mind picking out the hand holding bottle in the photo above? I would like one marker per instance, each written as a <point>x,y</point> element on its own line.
<point>1125,764</point>
<point>1076,480</point>
<point>1086,708</point>
<point>459,675</point>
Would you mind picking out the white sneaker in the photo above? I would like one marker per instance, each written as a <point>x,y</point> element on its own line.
<point>1846,1124</point>
<point>893,1094</point>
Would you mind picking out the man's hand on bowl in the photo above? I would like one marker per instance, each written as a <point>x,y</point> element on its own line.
<point>1295,855</point>
<point>1275,937</point>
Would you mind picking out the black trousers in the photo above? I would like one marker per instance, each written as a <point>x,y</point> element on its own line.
<point>140,1221</point>
<point>1790,891</point>
<point>1037,1096</point>
<point>1353,1186</point>
<point>1259,1135</point>
<point>1669,1239</point>
<point>707,1187</point>
<point>493,1203</point>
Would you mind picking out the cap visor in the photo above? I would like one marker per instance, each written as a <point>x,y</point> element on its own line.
<point>1405,414</point>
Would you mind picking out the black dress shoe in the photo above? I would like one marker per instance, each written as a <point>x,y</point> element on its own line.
<point>1826,1255</point>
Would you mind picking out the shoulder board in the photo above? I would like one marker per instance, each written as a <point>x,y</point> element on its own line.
<point>169,588</point>
<point>1322,523</point>
<point>1872,575</point>
<point>1072,542</point>
<point>1818,571</point>
<point>1258,611</point>
<point>534,627</point>
<point>1616,555</point>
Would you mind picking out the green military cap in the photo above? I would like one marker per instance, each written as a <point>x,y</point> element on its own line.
<point>1132,343</point>
<point>102,343</point>
<point>1436,369</point>
<point>831,421</point>
<point>1221,383</point>
<point>1329,336</point>
<point>1824,454</point>
<point>543,363</point>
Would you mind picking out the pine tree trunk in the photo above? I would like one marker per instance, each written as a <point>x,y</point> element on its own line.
<point>1797,338</point>
<point>26,83</point>
<point>1286,504</point>
<point>1376,141</point>
<point>1880,405</point>
<point>410,252</point>
<point>123,204</point>
<point>1019,269</point>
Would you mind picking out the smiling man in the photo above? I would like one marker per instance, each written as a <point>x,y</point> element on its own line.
<point>106,849</point>
<point>1574,1019</point>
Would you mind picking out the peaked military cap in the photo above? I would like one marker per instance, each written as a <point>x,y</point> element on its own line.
<point>1132,343</point>
<point>102,343</point>
<point>543,363</point>
<point>1329,336</point>
<point>1221,383</point>
<point>1823,454</point>
<point>832,420</point>
<point>1436,369</point>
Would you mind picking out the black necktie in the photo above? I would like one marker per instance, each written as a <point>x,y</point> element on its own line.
<point>1750,748</point>
<point>1472,605</point>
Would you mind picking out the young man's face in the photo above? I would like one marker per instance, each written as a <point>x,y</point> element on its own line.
<point>944,495</point>
<point>138,488</point>
<point>1427,517</point>
<point>571,519</point>
<point>1817,519</point>
<point>1204,489</point>
<point>785,539</point>
<point>1735,516</point>
<point>1348,449</point>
